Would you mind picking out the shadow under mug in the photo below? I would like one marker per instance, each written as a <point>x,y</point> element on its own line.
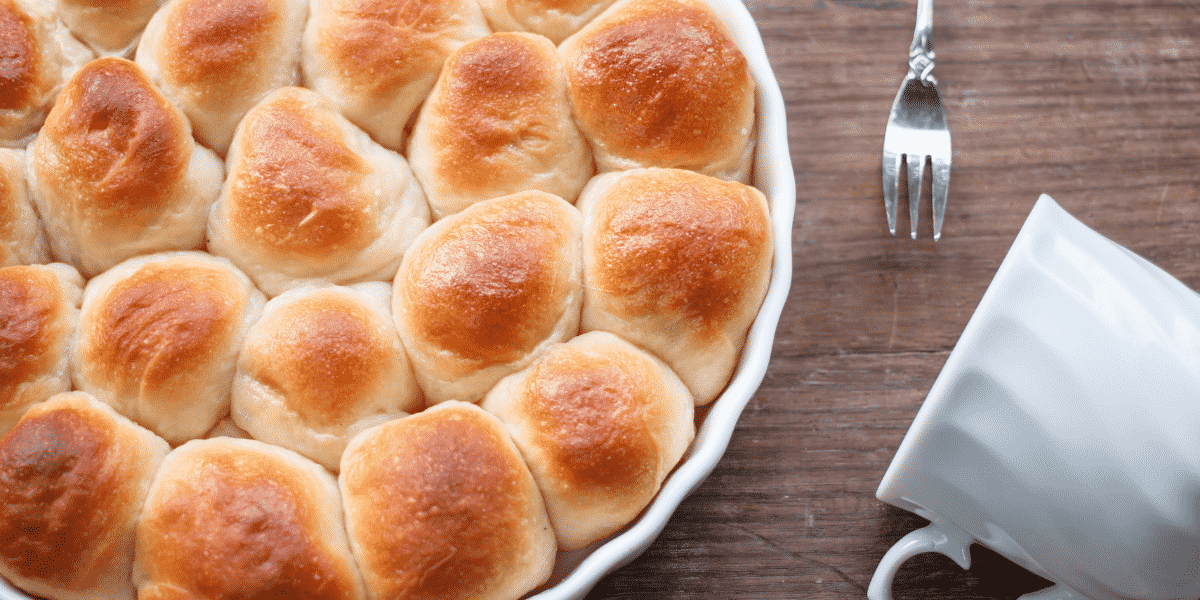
<point>1063,431</point>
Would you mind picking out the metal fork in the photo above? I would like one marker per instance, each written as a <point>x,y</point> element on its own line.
<point>917,129</point>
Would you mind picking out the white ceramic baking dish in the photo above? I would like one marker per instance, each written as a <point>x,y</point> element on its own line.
<point>576,573</point>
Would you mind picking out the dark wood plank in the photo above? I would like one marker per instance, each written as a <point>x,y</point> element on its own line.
<point>1095,103</point>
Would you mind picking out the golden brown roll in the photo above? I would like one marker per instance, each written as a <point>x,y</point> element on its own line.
<point>482,293</point>
<point>39,311</point>
<point>600,423</point>
<point>115,172</point>
<point>660,83</point>
<point>378,59</point>
<point>218,58</point>
<point>159,337</point>
<point>677,263</point>
<point>498,122</point>
<point>73,477</point>
<point>109,27</point>
<point>228,518</point>
<point>555,19</point>
<point>322,364</point>
<point>39,56</point>
<point>311,198</point>
<point>22,238</point>
<point>440,505</point>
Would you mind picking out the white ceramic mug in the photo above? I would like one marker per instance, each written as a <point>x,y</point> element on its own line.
<point>1064,429</point>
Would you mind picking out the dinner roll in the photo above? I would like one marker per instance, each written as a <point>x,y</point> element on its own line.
<point>22,238</point>
<point>660,83</point>
<point>482,293</point>
<point>440,505</point>
<point>73,476</point>
<point>228,518</point>
<point>109,27</point>
<point>311,198</point>
<point>378,59</point>
<point>218,58</point>
<point>600,423</point>
<point>498,122</point>
<point>159,337</point>
<point>555,19</point>
<point>322,364</point>
<point>678,263</point>
<point>39,311</point>
<point>39,56</point>
<point>115,172</point>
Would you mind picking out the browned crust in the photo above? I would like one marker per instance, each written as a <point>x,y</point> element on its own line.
<point>106,4</point>
<point>62,491</point>
<point>496,95</point>
<point>32,327</point>
<point>211,46</point>
<point>295,189</point>
<point>114,143</point>
<point>20,59</point>
<point>592,419</point>
<point>443,507</point>
<point>679,243</point>
<point>322,355</point>
<point>380,46</point>
<point>236,524</point>
<point>489,287</point>
<point>661,84</point>
<point>157,325</point>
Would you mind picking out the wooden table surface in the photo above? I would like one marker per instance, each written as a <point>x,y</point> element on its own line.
<point>1096,103</point>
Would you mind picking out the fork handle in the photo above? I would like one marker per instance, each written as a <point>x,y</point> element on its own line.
<point>920,56</point>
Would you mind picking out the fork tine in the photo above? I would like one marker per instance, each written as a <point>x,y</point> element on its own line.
<point>916,130</point>
<point>891,177</point>
<point>941,185</point>
<point>916,173</point>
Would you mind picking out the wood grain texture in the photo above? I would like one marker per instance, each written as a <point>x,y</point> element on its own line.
<point>1094,103</point>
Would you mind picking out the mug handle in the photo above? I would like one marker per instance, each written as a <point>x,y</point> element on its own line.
<point>938,536</point>
<point>947,539</point>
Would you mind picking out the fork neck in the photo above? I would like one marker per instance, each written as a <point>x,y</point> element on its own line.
<point>920,55</point>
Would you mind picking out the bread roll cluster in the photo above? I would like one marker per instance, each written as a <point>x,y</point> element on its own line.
<point>359,299</point>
